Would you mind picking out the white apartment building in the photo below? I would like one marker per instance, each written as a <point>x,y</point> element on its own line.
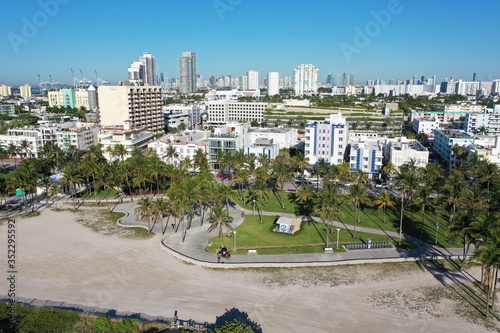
<point>142,105</point>
<point>401,150</point>
<point>25,91</point>
<point>176,114</point>
<point>228,138</point>
<point>305,80</point>
<point>327,140</point>
<point>488,120</point>
<point>447,116</point>
<point>5,90</point>
<point>367,156</point>
<point>253,80</point>
<point>17,135</point>
<point>80,136</point>
<point>264,147</point>
<point>127,135</point>
<point>283,138</point>
<point>233,94</point>
<point>185,145</point>
<point>273,83</point>
<point>224,111</point>
<point>425,125</point>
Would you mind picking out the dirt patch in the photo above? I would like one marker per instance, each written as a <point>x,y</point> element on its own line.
<point>103,222</point>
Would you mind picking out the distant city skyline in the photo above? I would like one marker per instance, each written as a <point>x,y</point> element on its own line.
<point>384,40</point>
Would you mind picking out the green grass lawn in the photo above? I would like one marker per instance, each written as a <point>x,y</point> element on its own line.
<point>372,217</point>
<point>311,238</point>
<point>100,194</point>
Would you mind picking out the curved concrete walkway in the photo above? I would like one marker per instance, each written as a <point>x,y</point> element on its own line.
<point>192,249</point>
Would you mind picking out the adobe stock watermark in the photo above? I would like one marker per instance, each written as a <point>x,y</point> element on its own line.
<point>223,6</point>
<point>372,29</point>
<point>31,27</point>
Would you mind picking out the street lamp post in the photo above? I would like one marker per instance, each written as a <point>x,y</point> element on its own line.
<point>234,234</point>
<point>338,233</point>
<point>253,207</point>
<point>437,231</point>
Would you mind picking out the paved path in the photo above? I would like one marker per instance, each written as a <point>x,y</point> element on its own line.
<point>196,239</point>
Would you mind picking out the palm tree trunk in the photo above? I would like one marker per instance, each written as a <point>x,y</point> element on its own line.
<point>464,253</point>
<point>494,288</point>
<point>260,215</point>
<point>401,219</point>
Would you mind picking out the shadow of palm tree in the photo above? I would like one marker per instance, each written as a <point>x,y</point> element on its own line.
<point>236,314</point>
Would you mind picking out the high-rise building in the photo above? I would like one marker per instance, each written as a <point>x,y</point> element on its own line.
<point>243,82</point>
<point>351,79</point>
<point>187,73</point>
<point>329,79</point>
<point>345,80</point>
<point>149,69</point>
<point>273,83</point>
<point>162,78</point>
<point>141,105</point>
<point>5,90</point>
<point>143,72</point>
<point>305,80</point>
<point>253,80</point>
<point>25,91</point>
<point>338,80</point>
<point>327,140</point>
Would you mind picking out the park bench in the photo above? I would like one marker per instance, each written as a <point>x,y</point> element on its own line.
<point>252,252</point>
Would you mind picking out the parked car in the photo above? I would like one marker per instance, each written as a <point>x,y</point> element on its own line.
<point>300,181</point>
<point>384,186</point>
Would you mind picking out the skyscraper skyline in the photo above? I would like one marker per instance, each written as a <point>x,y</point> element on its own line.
<point>187,73</point>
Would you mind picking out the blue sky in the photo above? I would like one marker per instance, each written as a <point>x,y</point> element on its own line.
<point>442,38</point>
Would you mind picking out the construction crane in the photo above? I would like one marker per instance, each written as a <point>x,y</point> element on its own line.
<point>99,81</point>
<point>44,85</point>
<point>84,82</point>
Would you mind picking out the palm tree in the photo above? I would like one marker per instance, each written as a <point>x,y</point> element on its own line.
<point>460,152</point>
<point>158,209</point>
<point>384,200</point>
<point>219,217</point>
<point>424,200</point>
<point>358,196</point>
<point>488,257</point>
<point>26,146</point>
<point>461,226</point>
<point>454,189</point>
<point>53,191</point>
<point>255,200</point>
<point>145,209</point>
<point>320,169</point>
<point>171,154</point>
<point>13,151</point>
<point>388,169</point>
<point>200,161</point>
<point>120,151</point>
<point>305,196</point>
<point>301,162</point>
<point>186,163</point>
<point>407,179</point>
<point>72,178</point>
<point>240,178</point>
<point>487,172</point>
<point>225,194</point>
<point>281,173</point>
<point>329,205</point>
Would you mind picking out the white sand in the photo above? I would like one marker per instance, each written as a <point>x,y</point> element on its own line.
<point>61,260</point>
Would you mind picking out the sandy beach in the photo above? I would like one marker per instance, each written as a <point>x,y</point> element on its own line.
<point>59,259</point>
